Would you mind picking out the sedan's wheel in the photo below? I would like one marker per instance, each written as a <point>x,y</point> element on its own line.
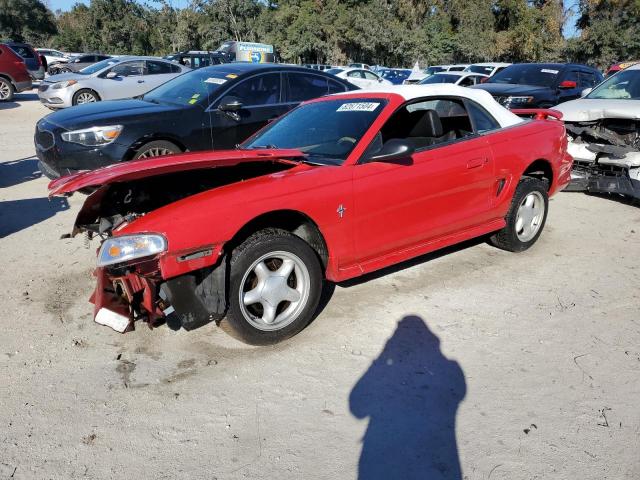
<point>156,149</point>
<point>275,287</point>
<point>6,90</point>
<point>526,217</point>
<point>85,96</point>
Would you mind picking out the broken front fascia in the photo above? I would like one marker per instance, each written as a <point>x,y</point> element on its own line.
<point>606,156</point>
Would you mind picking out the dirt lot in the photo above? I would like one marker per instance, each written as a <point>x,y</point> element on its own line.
<point>476,364</point>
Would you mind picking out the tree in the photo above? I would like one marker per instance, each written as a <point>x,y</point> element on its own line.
<point>28,20</point>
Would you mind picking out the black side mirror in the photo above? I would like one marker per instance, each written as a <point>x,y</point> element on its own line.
<point>233,106</point>
<point>392,151</point>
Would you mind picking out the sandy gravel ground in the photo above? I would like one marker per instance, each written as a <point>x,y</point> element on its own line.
<point>477,364</point>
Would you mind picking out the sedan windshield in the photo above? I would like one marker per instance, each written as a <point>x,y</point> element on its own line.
<point>440,78</point>
<point>480,69</point>
<point>197,87</point>
<point>625,85</point>
<point>96,67</point>
<point>527,74</point>
<point>326,131</point>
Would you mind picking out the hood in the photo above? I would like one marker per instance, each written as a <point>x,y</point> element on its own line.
<point>139,169</point>
<point>591,109</point>
<point>61,77</point>
<point>511,89</point>
<point>108,112</point>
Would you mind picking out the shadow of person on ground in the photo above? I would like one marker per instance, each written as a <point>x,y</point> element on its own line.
<point>411,394</point>
<point>15,172</point>
<point>16,215</point>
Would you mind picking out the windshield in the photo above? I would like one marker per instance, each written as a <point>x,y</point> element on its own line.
<point>193,88</point>
<point>624,85</point>
<point>440,78</point>
<point>334,71</point>
<point>326,131</point>
<point>479,69</point>
<point>532,74</point>
<point>96,67</point>
<point>434,69</point>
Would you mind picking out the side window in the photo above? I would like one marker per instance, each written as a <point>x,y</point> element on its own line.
<point>175,69</point>
<point>571,76</point>
<point>369,75</point>
<point>482,120</point>
<point>587,79</point>
<point>355,74</point>
<point>128,69</point>
<point>467,81</point>
<point>258,90</point>
<point>158,68</point>
<point>336,87</point>
<point>428,122</point>
<point>303,86</point>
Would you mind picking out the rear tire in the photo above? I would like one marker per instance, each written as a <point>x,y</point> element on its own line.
<point>85,96</point>
<point>156,148</point>
<point>526,217</point>
<point>6,90</point>
<point>275,286</point>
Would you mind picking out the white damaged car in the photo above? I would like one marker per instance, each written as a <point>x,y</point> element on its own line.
<point>604,136</point>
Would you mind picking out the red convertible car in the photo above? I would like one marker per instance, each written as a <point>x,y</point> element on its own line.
<point>338,187</point>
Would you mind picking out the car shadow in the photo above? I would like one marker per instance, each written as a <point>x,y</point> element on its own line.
<point>414,261</point>
<point>26,97</point>
<point>410,394</point>
<point>16,215</point>
<point>18,171</point>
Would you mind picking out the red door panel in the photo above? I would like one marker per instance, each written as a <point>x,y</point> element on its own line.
<point>443,190</point>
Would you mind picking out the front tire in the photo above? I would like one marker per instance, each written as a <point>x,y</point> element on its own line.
<point>274,288</point>
<point>85,96</point>
<point>6,90</point>
<point>526,217</point>
<point>156,148</point>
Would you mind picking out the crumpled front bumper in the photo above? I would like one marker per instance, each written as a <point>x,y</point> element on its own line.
<point>120,299</point>
<point>603,171</point>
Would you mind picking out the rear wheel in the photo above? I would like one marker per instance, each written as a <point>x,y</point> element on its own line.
<point>526,217</point>
<point>274,289</point>
<point>6,90</point>
<point>85,96</point>
<point>156,148</point>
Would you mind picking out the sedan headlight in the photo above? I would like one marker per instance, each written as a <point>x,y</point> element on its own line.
<point>93,137</point>
<point>130,247</point>
<point>518,100</point>
<point>65,84</point>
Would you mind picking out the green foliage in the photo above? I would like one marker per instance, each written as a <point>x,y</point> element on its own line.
<point>390,32</point>
<point>28,20</point>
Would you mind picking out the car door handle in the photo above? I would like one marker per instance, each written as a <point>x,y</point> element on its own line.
<point>140,81</point>
<point>477,162</point>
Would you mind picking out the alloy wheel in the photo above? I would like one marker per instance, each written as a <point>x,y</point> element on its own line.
<point>155,152</point>
<point>530,216</point>
<point>85,97</point>
<point>5,91</point>
<point>275,289</point>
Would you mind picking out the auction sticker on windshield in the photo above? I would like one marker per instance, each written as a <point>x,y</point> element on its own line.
<point>217,81</point>
<point>358,107</point>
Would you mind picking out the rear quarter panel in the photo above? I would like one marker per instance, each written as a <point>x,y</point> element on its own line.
<point>516,148</point>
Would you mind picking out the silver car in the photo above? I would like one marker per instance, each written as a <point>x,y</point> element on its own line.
<point>110,79</point>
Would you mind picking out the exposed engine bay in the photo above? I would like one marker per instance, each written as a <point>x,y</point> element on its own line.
<point>606,156</point>
<point>113,204</point>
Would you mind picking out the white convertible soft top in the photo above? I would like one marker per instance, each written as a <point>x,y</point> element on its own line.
<point>409,92</point>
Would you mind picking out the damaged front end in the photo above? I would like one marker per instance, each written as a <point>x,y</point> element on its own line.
<point>606,156</point>
<point>141,274</point>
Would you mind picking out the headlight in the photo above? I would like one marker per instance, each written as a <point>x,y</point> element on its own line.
<point>518,100</point>
<point>93,137</point>
<point>129,247</point>
<point>60,85</point>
